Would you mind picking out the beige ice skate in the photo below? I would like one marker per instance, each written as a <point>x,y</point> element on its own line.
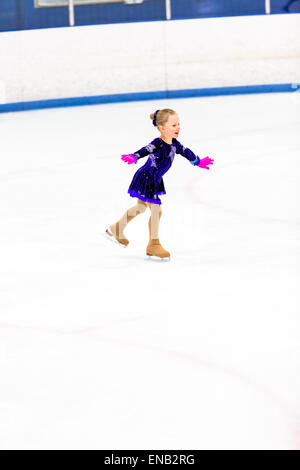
<point>156,252</point>
<point>113,234</point>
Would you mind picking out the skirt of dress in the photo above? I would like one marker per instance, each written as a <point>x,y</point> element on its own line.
<point>147,185</point>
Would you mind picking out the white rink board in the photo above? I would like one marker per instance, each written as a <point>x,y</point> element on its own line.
<point>149,56</point>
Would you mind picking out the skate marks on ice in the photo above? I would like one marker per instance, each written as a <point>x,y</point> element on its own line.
<point>265,396</point>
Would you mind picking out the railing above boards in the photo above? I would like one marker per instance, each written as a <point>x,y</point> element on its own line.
<point>166,9</point>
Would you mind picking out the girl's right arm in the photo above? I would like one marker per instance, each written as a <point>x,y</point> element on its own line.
<point>134,157</point>
<point>144,151</point>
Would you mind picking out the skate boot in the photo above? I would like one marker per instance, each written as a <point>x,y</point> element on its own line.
<point>113,234</point>
<point>156,252</point>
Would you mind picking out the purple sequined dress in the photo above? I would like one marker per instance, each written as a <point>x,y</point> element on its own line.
<point>147,182</point>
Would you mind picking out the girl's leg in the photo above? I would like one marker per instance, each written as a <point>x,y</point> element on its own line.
<point>154,247</point>
<point>154,220</point>
<point>118,228</point>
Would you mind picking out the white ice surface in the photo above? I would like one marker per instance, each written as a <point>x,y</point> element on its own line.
<point>102,349</point>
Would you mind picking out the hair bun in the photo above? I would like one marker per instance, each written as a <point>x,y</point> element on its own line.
<point>154,117</point>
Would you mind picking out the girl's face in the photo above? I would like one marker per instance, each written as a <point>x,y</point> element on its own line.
<point>172,127</point>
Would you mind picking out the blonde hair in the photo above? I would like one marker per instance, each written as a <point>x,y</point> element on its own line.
<point>162,116</point>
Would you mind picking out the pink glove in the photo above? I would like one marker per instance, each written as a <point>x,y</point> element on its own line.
<point>129,158</point>
<point>204,162</point>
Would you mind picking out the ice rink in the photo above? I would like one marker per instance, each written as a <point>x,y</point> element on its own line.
<point>101,349</point>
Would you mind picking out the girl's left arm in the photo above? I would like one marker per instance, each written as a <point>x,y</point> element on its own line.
<point>187,153</point>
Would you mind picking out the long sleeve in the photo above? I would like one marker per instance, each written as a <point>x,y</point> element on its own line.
<point>144,151</point>
<point>187,153</point>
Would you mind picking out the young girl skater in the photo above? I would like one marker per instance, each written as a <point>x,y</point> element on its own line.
<point>147,183</point>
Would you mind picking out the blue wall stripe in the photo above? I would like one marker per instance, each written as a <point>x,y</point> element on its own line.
<point>150,95</point>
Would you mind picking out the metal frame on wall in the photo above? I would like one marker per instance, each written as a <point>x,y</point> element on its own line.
<point>64,3</point>
<point>72,3</point>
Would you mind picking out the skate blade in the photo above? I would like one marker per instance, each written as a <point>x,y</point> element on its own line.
<point>156,258</point>
<point>113,240</point>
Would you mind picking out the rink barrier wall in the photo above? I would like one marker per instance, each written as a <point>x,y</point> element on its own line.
<point>155,95</point>
<point>22,14</point>
<point>152,60</point>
